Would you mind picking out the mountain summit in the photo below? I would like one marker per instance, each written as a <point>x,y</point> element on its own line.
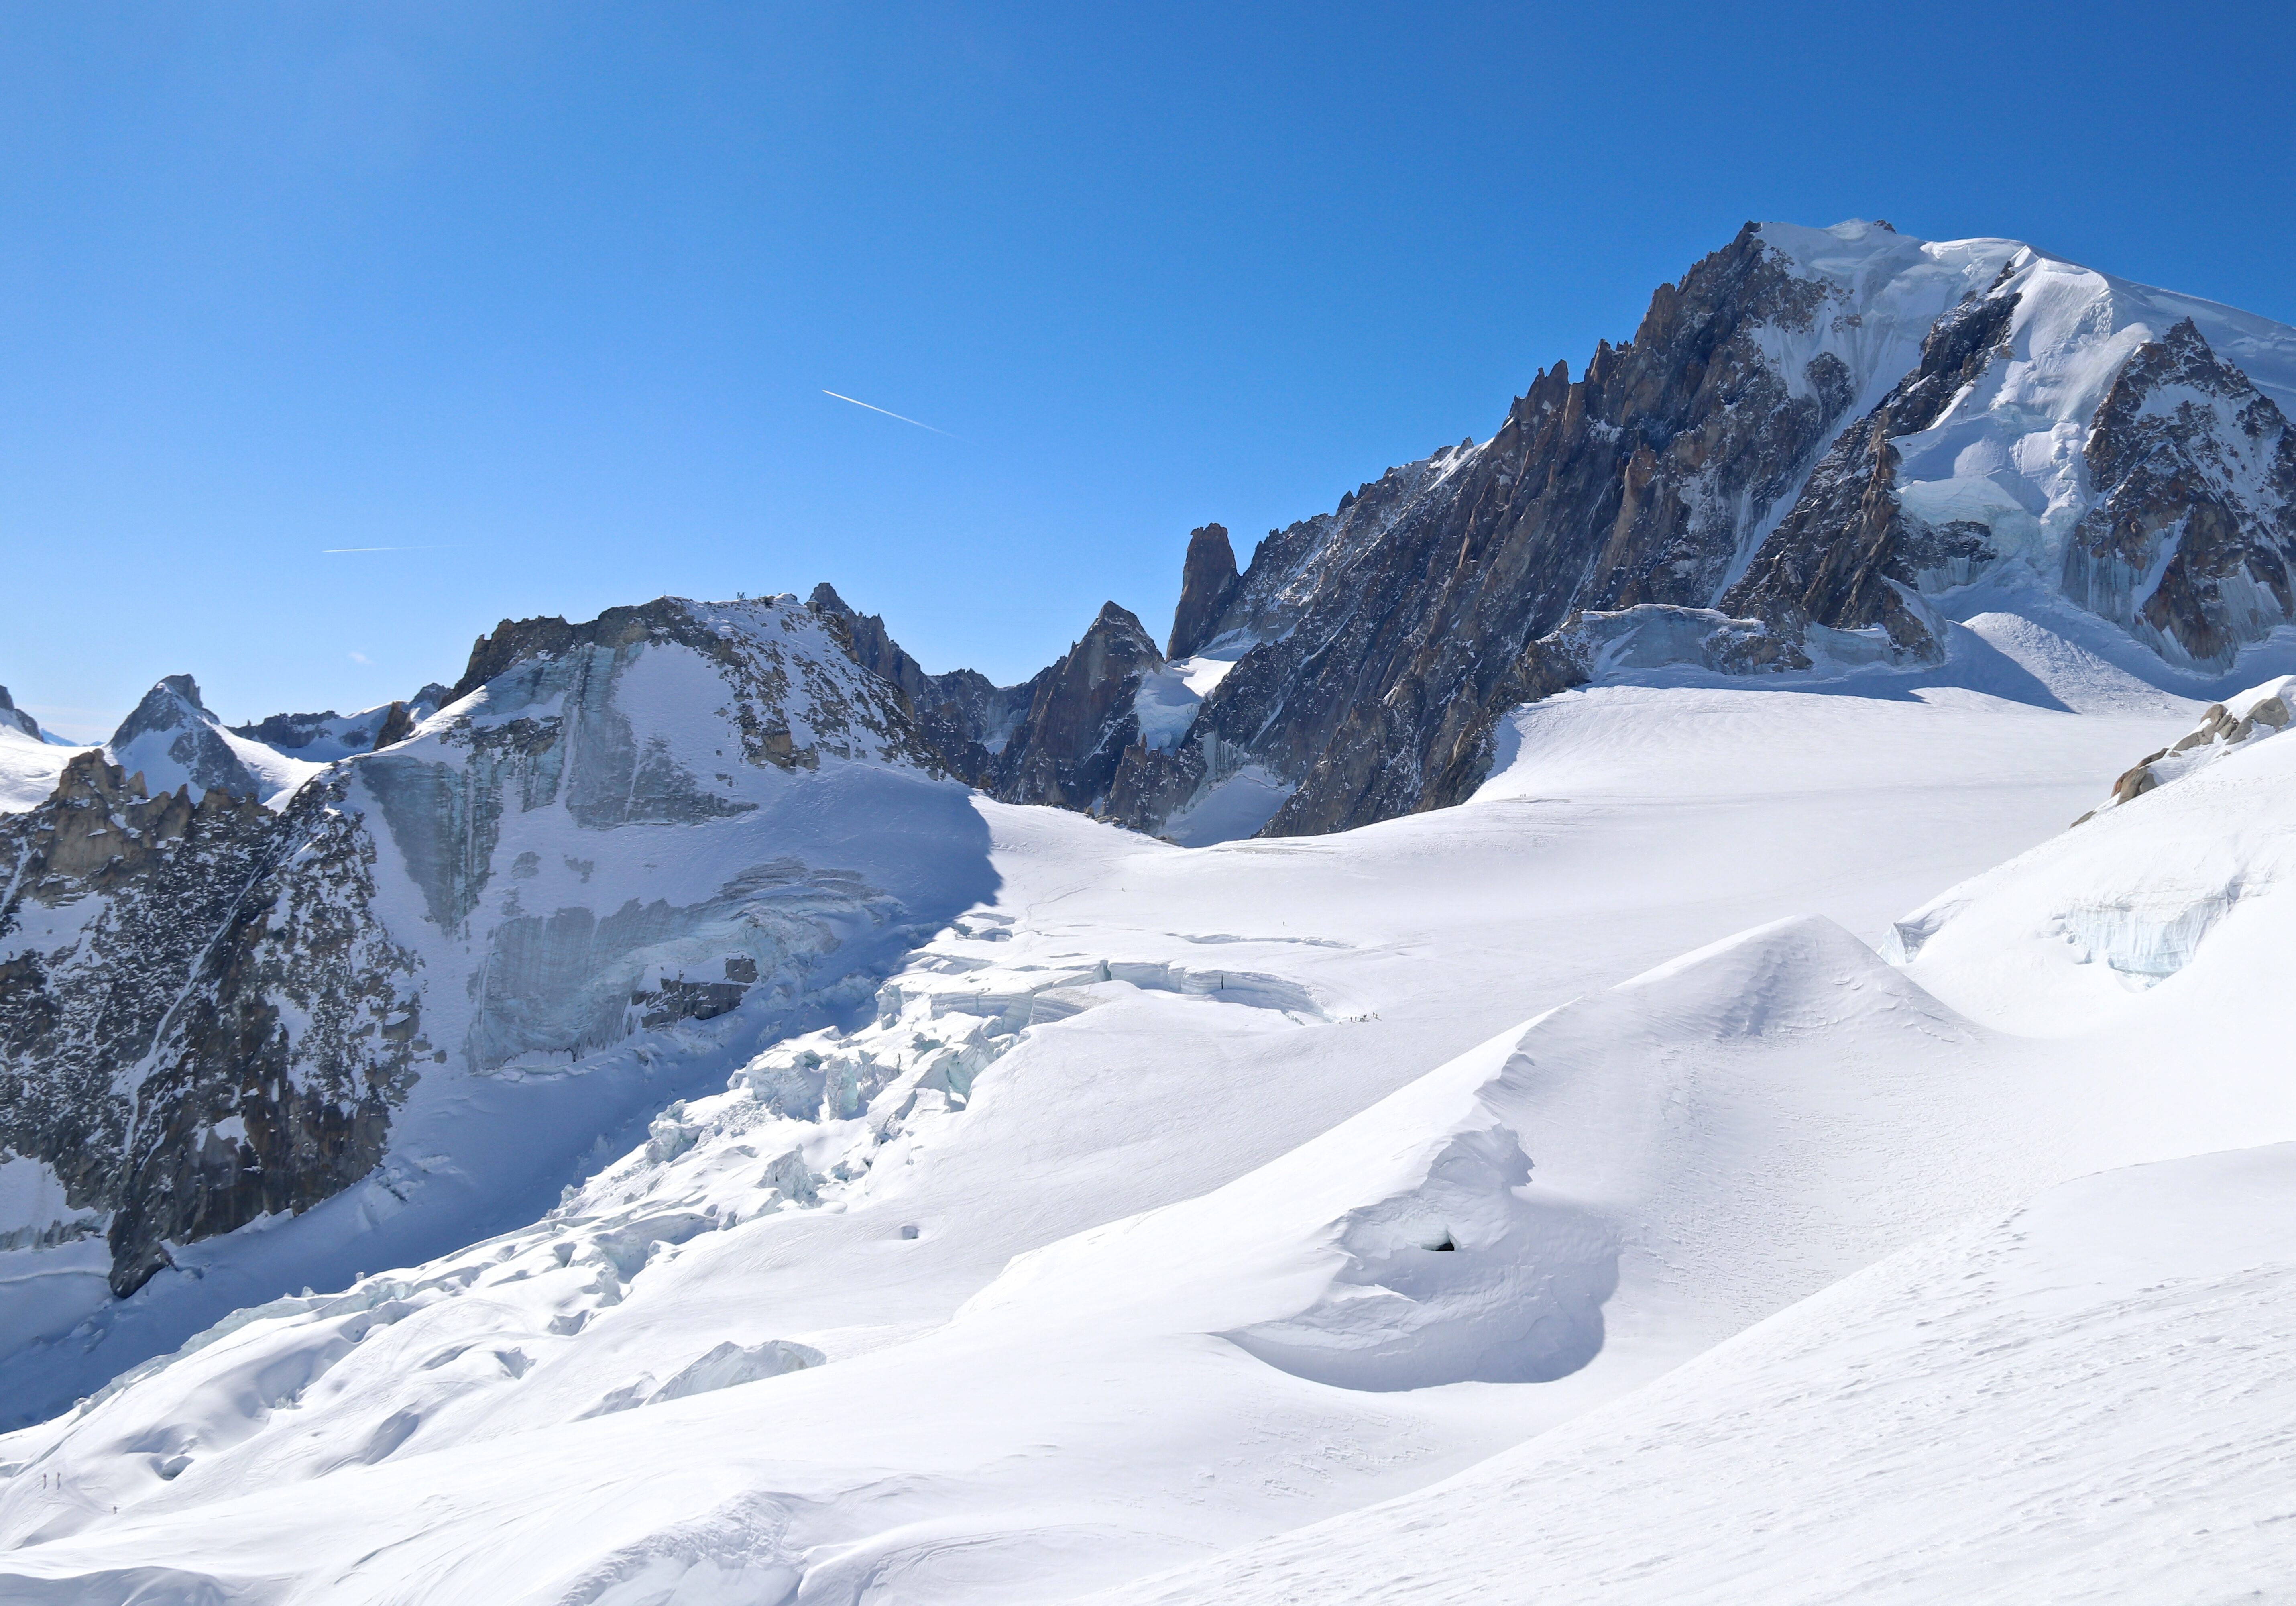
<point>1817,441</point>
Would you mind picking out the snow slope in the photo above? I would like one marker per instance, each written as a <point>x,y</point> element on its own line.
<point>2082,1400</point>
<point>1119,1231</point>
<point>29,769</point>
<point>2085,1398</point>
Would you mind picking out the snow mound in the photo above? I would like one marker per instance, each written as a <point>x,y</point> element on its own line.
<point>2102,1369</point>
<point>1472,1226</point>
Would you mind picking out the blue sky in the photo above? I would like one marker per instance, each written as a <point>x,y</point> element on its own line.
<point>550,293</point>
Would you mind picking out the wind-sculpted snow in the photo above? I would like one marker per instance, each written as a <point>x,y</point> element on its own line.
<point>2084,1398</point>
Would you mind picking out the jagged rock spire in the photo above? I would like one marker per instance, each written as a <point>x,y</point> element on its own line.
<point>1208,579</point>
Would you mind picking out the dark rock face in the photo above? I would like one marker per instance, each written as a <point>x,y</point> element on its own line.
<point>1391,632</point>
<point>965,718</point>
<point>398,722</point>
<point>287,732</point>
<point>1208,580</point>
<point>1405,616</point>
<point>1846,557</point>
<point>1687,501</point>
<point>327,734</point>
<point>2196,471</point>
<point>1059,737</point>
<point>206,1016</point>
<point>201,1021</point>
<point>1080,720</point>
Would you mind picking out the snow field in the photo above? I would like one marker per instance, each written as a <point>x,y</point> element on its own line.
<point>1175,1283</point>
<point>29,768</point>
<point>2082,1400</point>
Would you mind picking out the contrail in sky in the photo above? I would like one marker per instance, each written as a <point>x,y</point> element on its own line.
<point>889,413</point>
<point>333,550</point>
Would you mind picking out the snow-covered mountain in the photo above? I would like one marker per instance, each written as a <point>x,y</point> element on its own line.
<point>225,1003</point>
<point>172,741</point>
<point>1818,447</point>
<point>675,1117</point>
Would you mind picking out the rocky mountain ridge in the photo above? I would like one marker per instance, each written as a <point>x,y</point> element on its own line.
<point>220,1001</point>
<point>327,736</point>
<point>1813,441</point>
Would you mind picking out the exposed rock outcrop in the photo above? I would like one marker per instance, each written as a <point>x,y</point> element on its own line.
<point>1812,438</point>
<point>1390,630</point>
<point>327,736</point>
<point>202,1020</point>
<point>2225,729</point>
<point>967,719</point>
<point>1080,720</point>
<point>2190,543</point>
<point>398,722</point>
<point>1846,557</point>
<point>212,1010</point>
<point>1208,579</point>
<point>1060,737</point>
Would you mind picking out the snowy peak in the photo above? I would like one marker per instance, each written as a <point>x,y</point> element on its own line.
<point>218,1010</point>
<point>2031,453</point>
<point>173,741</point>
<point>1815,439</point>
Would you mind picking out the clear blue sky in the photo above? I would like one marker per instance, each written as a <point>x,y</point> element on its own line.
<point>553,290</point>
